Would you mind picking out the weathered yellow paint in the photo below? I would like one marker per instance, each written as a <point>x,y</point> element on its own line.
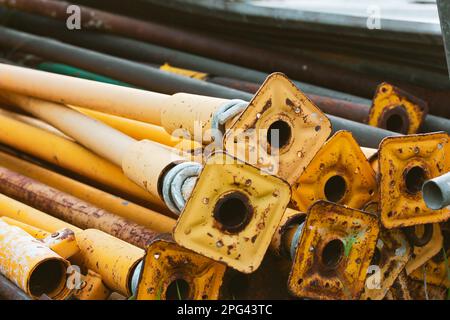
<point>436,271</point>
<point>422,254</point>
<point>391,255</point>
<point>338,173</point>
<point>405,163</point>
<point>306,128</point>
<point>92,288</point>
<point>334,252</point>
<point>63,242</point>
<point>18,211</point>
<point>396,110</point>
<point>184,72</point>
<point>256,201</point>
<point>31,265</point>
<point>69,155</point>
<point>143,131</point>
<point>32,231</point>
<point>119,206</point>
<point>166,262</point>
<point>113,259</point>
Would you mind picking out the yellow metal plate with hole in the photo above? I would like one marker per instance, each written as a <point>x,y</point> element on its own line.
<point>391,255</point>
<point>338,173</point>
<point>396,110</point>
<point>165,263</point>
<point>421,255</point>
<point>303,128</point>
<point>233,212</point>
<point>405,162</point>
<point>334,253</point>
<point>436,269</point>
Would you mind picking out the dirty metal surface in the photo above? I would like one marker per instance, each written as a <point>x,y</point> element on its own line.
<point>334,253</point>
<point>339,173</point>
<point>391,255</point>
<point>396,110</point>
<point>303,128</point>
<point>405,162</point>
<point>233,212</point>
<point>113,259</point>
<point>165,263</point>
<point>291,218</point>
<point>422,253</point>
<point>92,288</point>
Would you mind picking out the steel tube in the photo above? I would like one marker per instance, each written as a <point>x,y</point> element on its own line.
<point>303,69</point>
<point>71,209</point>
<point>69,155</point>
<point>131,72</point>
<point>33,267</point>
<point>436,192</point>
<point>54,87</point>
<point>143,52</point>
<point>76,125</point>
<point>121,207</point>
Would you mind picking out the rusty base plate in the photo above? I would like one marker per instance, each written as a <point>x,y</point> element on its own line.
<point>405,163</point>
<point>391,255</point>
<point>302,128</point>
<point>232,213</point>
<point>338,173</point>
<point>421,254</point>
<point>396,110</point>
<point>334,253</point>
<point>171,272</point>
<point>436,271</point>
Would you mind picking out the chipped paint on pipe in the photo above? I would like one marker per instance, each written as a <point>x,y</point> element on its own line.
<point>69,155</point>
<point>31,265</point>
<point>436,192</point>
<point>141,131</point>
<point>108,143</point>
<point>32,231</point>
<point>142,161</point>
<point>113,259</point>
<point>71,209</point>
<point>21,212</point>
<point>116,205</point>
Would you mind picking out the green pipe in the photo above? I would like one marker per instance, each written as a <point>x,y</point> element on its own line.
<point>79,73</point>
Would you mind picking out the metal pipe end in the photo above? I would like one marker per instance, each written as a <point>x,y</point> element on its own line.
<point>433,195</point>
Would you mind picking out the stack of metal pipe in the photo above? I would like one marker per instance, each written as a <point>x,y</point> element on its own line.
<point>154,161</point>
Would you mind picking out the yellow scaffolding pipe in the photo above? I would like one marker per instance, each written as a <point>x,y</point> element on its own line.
<point>69,155</point>
<point>21,212</point>
<point>141,131</point>
<point>123,208</point>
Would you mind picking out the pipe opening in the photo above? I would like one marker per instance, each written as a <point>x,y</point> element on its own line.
<point>335,188</point>
<point>332,253</point>
<point>233,212</point>
<point>433,196</point>
<point>279,134</point>
<point>395,123</point>
<point>414,179</point>
<point>47,278</point>
<point>178,290</point>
